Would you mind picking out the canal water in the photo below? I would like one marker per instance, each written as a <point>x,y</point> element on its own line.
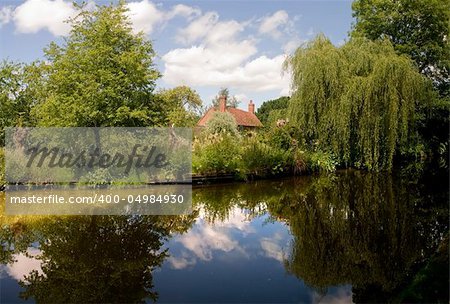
<point>345,237</point>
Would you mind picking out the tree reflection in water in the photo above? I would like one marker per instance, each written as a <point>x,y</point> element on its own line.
<point>91,259</point>
<point>373,231</point>
<point>370,230</point>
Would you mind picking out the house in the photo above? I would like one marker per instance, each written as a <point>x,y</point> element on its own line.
<point>245,120</point>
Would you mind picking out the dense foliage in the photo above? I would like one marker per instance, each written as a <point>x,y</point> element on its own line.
<point>19,86</point>
<point>418,28</point>
<point>273,152</point>
<point>272,110</point>
<point>102,75</point>
<point>183,104</point>
<point>357,101</point>
<point>222,122</point>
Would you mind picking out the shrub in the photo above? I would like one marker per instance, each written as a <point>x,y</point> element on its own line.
<point>222,122</point>
<point>299,161</point>
<point>215,154</point>
<point>261,159</point>
<point>285,137</point>
<point>321,161</point>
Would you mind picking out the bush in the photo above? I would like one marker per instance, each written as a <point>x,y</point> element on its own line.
<point>299,161</point>
<point>261,159</point>
<point>285,137</point>
<point>215,154</point>
<point>321,161</point>
<point>222,122</point>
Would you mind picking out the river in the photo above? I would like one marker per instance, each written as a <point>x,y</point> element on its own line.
<point>345,237</point>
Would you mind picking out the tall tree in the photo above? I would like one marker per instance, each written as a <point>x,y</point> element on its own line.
<point>19,88</point>
<point>275,108</point>
<point>357,101</point>
<point>232,101</point>
<point>417,28</point>
<point>183,104</point>
<point>102,75</point>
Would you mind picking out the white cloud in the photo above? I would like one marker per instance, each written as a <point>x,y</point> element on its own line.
<point>144,15</point>
<point>35,15</point>
<point>270,25</point>
<point>242,97</point>
<point>204,239</point>
<point>198,29</point>
<point>340,296</point>
<point>227,67</point>
<point>6,14</point>
<point>272,247</point>
<point>220,58</point>
<point>183,11</point>
<point>290,46</point>
<point>181,262</point>
<point>24,264</point>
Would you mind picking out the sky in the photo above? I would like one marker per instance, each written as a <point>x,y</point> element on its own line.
<point>207,44</point>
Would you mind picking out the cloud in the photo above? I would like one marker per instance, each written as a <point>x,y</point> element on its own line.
<point>144,15</point>
<point>220,57</point>
<point>35,15</point>
<point>206,66</point>
<point>272,247</point>
<point>185,11</point>
<point>24,264</point>
<point>204,239</point>
<point>270,25</point>
<point>339,295</point>
<point>180,262</point>
<point>198,29</point>
<point>292,45</point>
<point>6,14</point>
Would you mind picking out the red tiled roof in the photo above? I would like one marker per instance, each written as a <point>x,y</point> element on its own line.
<point>243,118</point>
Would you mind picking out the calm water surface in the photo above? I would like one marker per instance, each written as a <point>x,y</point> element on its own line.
<point>340,238</point>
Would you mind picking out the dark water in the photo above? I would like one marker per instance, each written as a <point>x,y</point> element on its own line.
<point>345,237</point>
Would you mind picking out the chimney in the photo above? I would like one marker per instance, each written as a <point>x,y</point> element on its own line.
<point>222,103</point>
<point>251,107</point>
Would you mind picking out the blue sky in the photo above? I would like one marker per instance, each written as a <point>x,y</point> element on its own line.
<point>204,44</point>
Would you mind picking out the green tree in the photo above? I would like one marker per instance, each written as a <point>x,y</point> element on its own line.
<point>357,101</point>
<point>183,104</point>
<point>276,106</point>
<point>418,28</point>
<point>19,86</point>
<point>231,100</point>
<point>102,75</point>
<point>421,30</point>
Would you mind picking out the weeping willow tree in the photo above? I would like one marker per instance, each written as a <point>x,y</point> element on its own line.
<point>357,101</point>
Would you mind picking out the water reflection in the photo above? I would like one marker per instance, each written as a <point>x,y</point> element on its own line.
<point>85,259</point>
<point>346,237</point>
